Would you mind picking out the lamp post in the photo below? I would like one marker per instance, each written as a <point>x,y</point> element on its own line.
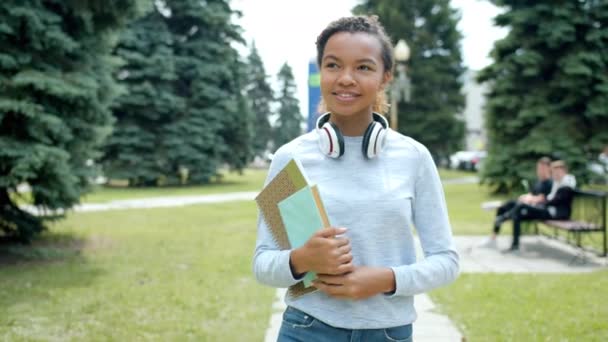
<point>401,87</point>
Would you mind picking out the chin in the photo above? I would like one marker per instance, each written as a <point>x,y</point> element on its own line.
<point>349,111</point>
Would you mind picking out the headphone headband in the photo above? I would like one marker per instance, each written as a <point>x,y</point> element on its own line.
<point>331,141</point>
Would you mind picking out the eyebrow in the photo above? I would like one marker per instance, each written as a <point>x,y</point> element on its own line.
<point>363,60</point>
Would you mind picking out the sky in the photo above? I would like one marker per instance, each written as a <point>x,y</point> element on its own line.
<point>286,30</point>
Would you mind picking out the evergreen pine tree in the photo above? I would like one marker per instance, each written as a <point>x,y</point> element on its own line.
<point>548,88</point>
<point>134,150</point>
<point>435,69</point>
<point>55,89</point>
<point>214,124</point>
<point>260,96</point>
<point>289,123</point>
<point>237,130</point>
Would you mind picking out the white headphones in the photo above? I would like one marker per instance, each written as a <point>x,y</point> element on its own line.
<point>331,141</point>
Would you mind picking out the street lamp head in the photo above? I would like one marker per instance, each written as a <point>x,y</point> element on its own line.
<point>402,51</point>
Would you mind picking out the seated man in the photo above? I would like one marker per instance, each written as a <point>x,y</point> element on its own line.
<point>536,196</point>
<point>557,207</point>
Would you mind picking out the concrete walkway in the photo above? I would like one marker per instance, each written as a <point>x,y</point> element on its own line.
<point>538,254</point>
<point>462,180</point>
<point>157,202</point>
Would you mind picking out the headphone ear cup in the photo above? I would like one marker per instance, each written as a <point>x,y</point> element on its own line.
<point>381,140</point>
<point>368,141</point>
<point>331,141</point>
<point>373,140</point>
<point>339,140</point>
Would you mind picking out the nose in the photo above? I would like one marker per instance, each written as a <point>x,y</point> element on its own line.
<point>346,78</point>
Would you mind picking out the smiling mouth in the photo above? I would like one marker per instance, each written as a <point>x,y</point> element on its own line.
<point>345,96</point>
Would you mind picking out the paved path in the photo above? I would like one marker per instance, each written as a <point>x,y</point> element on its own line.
<point>463,180</point>
<point>158,202</point>
<point>538,255</point>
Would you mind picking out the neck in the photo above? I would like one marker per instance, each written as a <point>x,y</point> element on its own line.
<point>352,125</point>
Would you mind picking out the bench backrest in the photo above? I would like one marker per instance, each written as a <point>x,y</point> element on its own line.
<point>589,206</point>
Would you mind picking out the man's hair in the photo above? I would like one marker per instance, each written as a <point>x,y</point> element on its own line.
<point>559,163</point>
<point>364,24</point>
<point>544,160</point>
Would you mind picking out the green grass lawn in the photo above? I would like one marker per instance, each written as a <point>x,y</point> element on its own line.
<point>464,206</point>
<point>528,307</point>
<point>251,180</point>
<point>453,174</point>
<point>167,274</point>
<point>513,307</point>
<point>185,274</point>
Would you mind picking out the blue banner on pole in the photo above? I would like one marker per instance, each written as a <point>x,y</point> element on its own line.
<point>314,93</point>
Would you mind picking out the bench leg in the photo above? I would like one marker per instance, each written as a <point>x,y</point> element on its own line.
<point>555,233</point>
<point>605,247</point>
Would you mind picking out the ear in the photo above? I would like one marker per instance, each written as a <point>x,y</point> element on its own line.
<point>387,77</point>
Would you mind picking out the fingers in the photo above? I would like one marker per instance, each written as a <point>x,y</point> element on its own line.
<point>335,291</point>
<point>344,248</point>
<point>341,241</point>
<point>339,270</point>
<point>345,268</point>
<point>330,232</point>
<point>346,258</point>
<point>328,279</point>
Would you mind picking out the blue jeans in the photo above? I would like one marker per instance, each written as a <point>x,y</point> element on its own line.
<point>300,327</point>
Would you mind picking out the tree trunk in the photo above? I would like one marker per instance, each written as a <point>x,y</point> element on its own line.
<point>16,224</point>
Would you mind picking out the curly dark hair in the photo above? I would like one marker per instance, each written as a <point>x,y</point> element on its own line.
<point>365,24</point>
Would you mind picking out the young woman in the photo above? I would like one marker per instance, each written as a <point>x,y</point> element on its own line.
<point>377,185</point>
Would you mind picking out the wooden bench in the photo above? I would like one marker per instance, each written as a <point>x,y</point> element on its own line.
<point>588,216</point>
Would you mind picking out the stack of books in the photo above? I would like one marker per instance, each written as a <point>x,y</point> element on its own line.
<point>292,209</point>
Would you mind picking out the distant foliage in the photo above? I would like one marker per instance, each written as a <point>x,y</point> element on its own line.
<point>290,119</point>
<point>184,113</point>
<point>56,87</point>
<point>548,88</point>
<point>260,96</point>
<point>135,150</point>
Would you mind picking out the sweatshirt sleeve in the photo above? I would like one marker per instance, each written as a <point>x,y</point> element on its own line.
<point>271,265</point>
<point>441,263</point>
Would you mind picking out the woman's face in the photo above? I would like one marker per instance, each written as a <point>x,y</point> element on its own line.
<point>352,73</point>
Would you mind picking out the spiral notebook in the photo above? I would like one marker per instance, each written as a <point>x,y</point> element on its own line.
<point>289,181</point>
<point>303,214</point>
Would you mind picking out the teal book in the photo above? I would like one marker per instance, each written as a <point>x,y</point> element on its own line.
<point>303,214</point>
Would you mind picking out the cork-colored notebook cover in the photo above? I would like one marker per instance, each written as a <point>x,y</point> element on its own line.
<point>287,182</point>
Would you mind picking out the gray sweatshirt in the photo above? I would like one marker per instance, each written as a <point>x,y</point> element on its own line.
<point>380,201</point>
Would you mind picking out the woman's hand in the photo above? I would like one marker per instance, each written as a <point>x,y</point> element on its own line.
<point>324,253</point>
<point>361,283</point>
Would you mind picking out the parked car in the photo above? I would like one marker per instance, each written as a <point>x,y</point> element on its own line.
<point>467,160</point>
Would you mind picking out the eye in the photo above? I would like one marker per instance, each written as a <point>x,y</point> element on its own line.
<point>331,65</point>
<point>365,68</point>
